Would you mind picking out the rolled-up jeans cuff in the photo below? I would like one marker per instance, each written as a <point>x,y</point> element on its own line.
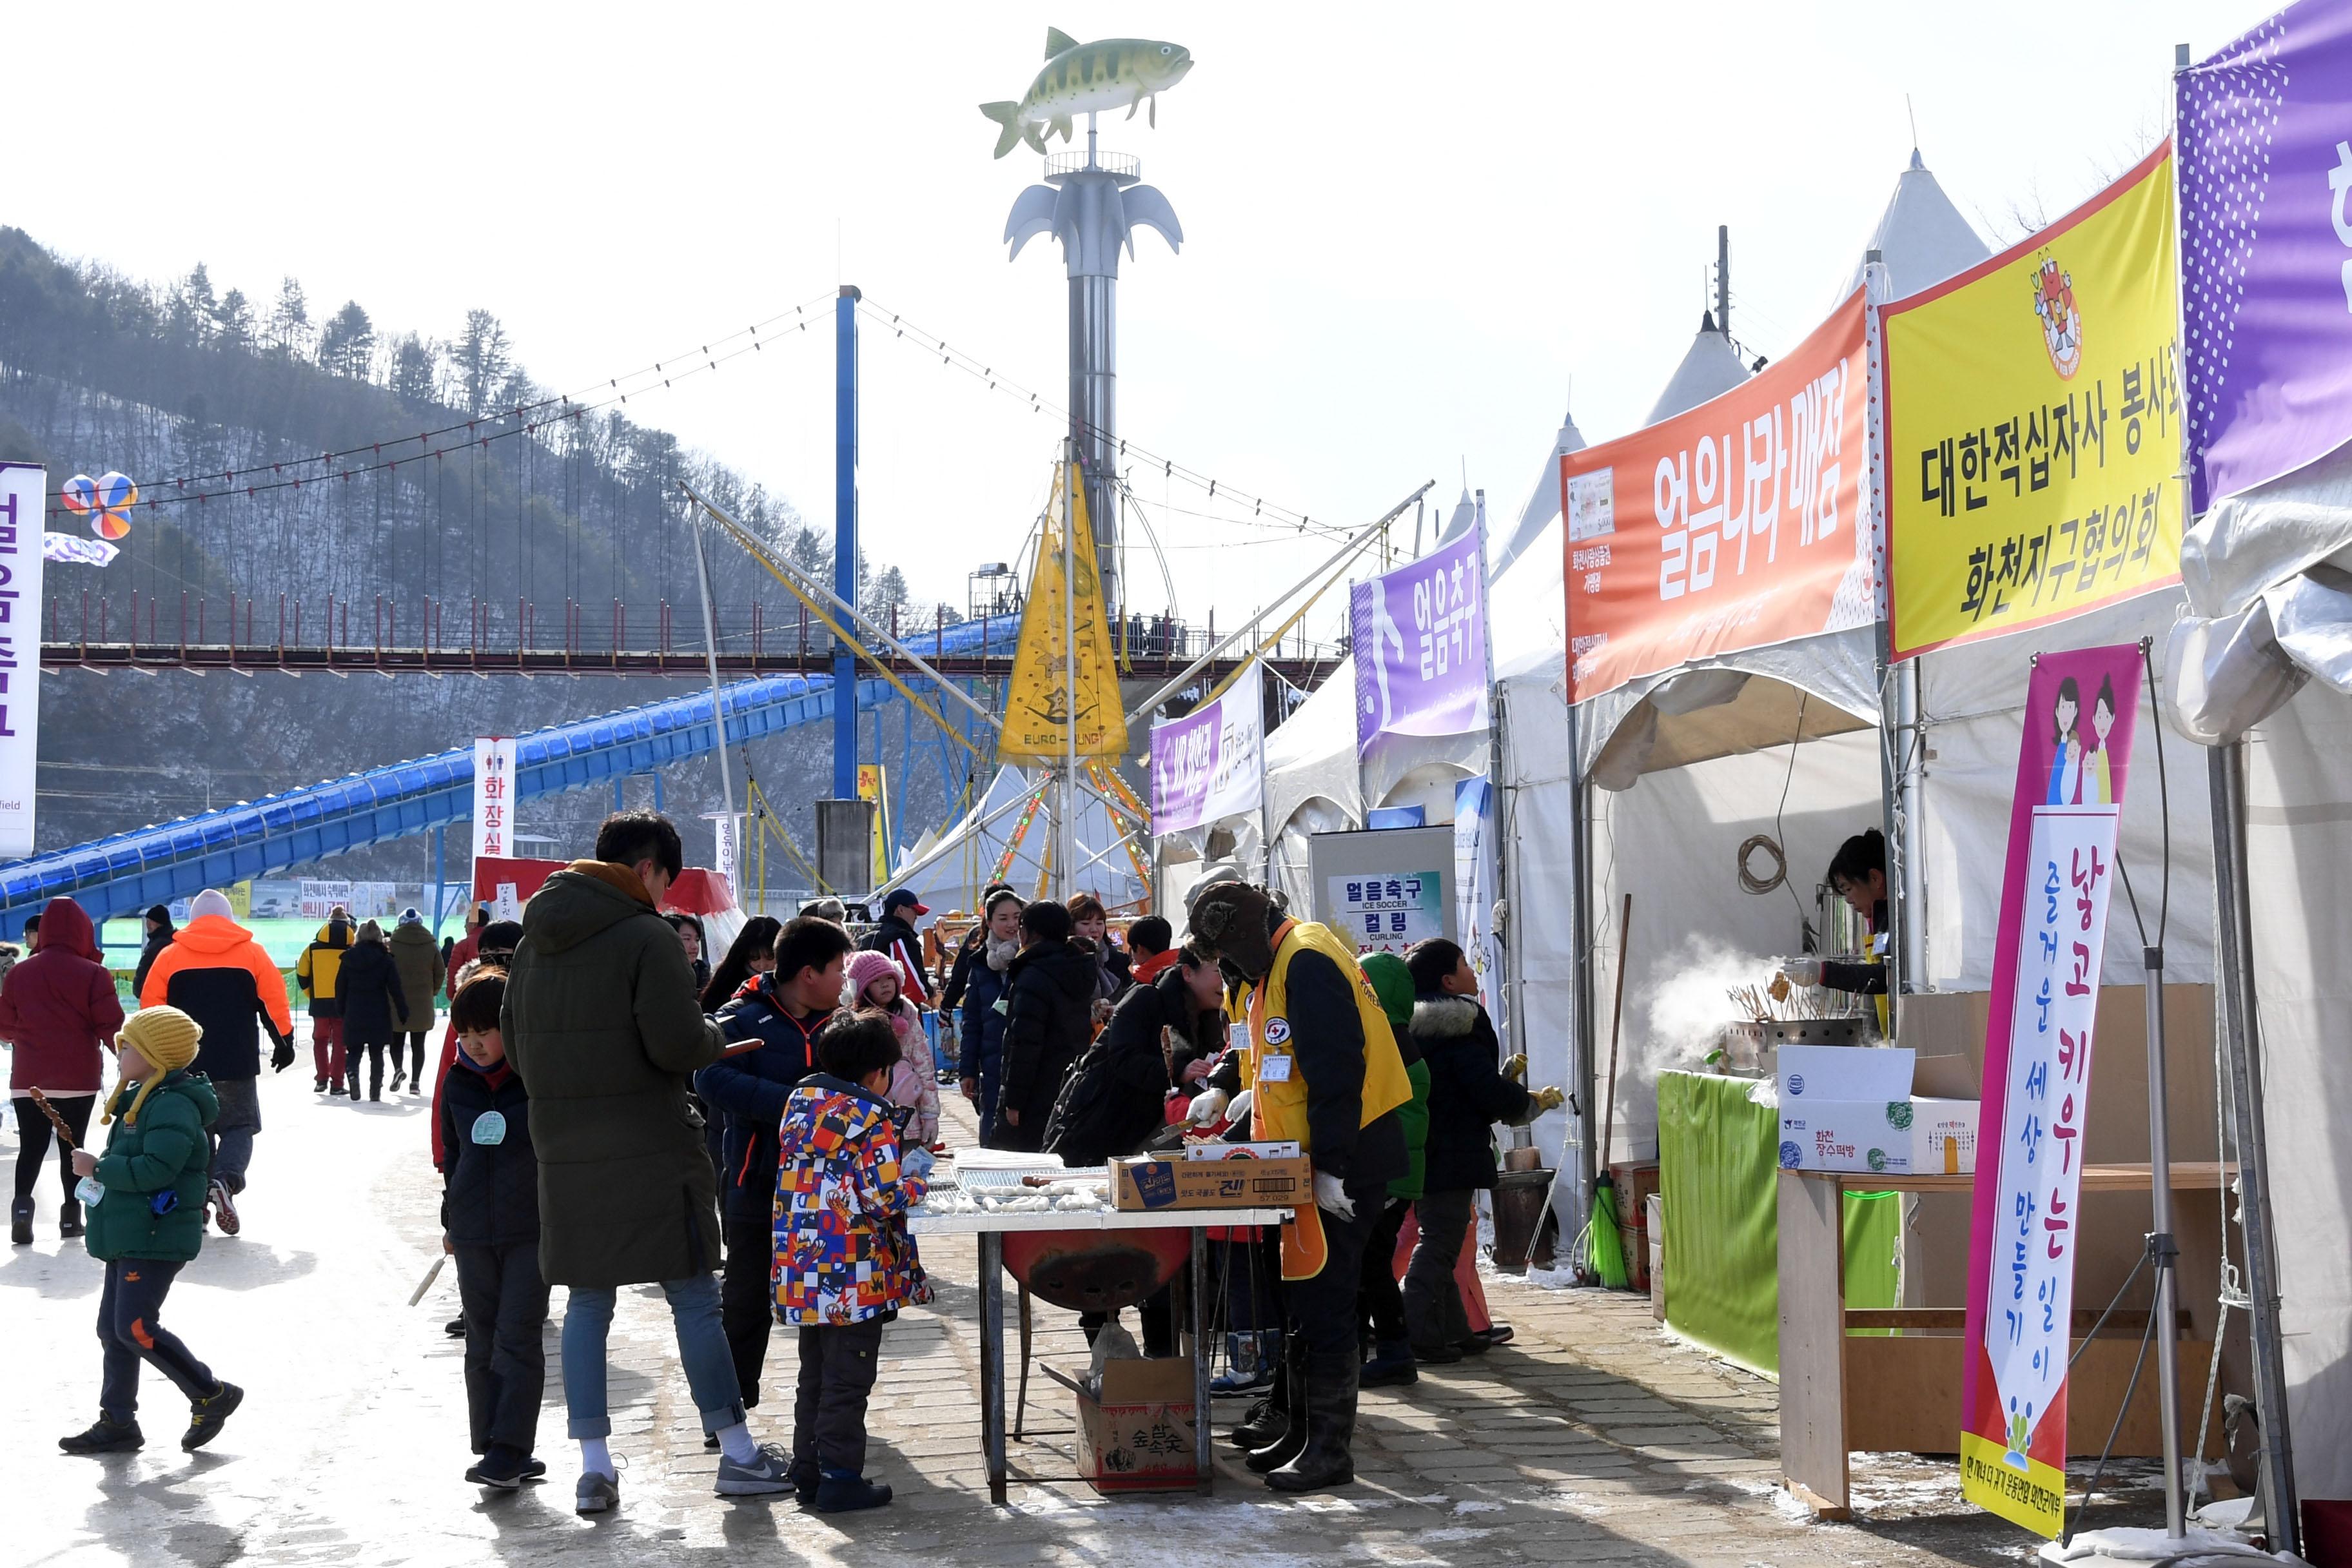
<point>580,1426</point>
<point>719,1420</point>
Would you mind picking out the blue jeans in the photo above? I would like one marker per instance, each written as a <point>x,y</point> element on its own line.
<point>702,1346</point>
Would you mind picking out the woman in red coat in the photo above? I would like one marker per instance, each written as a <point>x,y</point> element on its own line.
<point>60,1008</point>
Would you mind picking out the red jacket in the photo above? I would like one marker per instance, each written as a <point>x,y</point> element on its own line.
<point>60,1007</point>
<point>463,951</point>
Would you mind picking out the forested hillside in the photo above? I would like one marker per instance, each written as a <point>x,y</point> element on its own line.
<point>180,383</point>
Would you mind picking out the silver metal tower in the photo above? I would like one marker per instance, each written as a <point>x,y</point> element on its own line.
<point>1093,204</point>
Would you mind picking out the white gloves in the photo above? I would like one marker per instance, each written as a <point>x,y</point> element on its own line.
<point>917,1161</point>
<point>1239,1110</point>
<point>1208,1105</point>
<point>1803,971</point>
<point>1331,1197</point>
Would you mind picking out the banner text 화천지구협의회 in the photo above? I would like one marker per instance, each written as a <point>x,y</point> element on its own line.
<point>2032,421</point>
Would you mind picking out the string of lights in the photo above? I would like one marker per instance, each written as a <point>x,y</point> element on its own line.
<point>522,419</point>
<point>1263,512</point>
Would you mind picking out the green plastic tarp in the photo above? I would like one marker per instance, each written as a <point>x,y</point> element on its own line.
<point>1718,1176</point>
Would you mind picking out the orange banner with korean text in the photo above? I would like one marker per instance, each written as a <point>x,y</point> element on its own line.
<point>1737,524</point>
<point>2033,425</point>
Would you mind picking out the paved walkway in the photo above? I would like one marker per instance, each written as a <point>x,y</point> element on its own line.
<point>1590,1438</point>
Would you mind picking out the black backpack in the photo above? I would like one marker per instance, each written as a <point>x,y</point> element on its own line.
<point>1098,1116</point>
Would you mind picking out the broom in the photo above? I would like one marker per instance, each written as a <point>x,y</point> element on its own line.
<point>1604,1250</point>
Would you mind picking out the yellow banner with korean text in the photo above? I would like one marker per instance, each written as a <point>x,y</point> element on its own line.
<point>2031,426</point>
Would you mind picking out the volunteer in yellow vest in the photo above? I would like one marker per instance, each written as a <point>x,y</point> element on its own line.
<point>1857,874</point>
<point>1324,1070</point>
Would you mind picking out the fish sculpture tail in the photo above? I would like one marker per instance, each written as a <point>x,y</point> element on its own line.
<point>1007,115</point>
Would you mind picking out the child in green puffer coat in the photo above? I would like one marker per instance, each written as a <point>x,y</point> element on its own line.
<point>145,1197</point>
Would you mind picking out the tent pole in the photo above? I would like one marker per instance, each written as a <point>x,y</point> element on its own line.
<point>1581,919</point>
<point>2162,1253</point>
<point>1892,683</point>
<point>2239,1039</point>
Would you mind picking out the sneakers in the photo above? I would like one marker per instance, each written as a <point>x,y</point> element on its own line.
<point>456,1327</point>
<point>806,1479</point>
<point>70,1223</point>
<point>225,1208</point>
<point>503,1469</point>
<point>846,1491</point>
<point>396,1076</point>
<point>207,1416</point>
<point>105,1436</point>
<point>596,1494</point>
<point>1435,1355</point>
<point>20,1222</point>
<point>318,1086</point>
<point>770,1471</point>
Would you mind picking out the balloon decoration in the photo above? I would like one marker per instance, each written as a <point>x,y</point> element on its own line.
<point>106,501</point>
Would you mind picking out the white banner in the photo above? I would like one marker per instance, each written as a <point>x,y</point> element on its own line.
<point>1474,892</point>
<point>1211,763</point>
<point>21,503</point>
<point>494,766</point>
<point>360,900</point>
<point>72,548</point>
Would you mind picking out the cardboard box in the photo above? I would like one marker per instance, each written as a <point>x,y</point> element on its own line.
<point>1136,1434</point>
<point>1218,1148</point>
<point>1144,1183</point>
<point>1915,1135</point>
<point>1847,1075</point>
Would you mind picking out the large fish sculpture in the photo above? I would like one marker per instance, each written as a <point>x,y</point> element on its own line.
<point>1086,78</point>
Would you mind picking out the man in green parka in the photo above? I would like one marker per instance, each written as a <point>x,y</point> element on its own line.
<point>145,1198</point>
<point>603,1024</point>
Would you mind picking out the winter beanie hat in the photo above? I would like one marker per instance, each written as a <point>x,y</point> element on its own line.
<point>167,1037</point>
<point>1238,921</point>
<point>370,932</point>
<point>412,916</point>
<point>864,969</point>
<point>211,902</point>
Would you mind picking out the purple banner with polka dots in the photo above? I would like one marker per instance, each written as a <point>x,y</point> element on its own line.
<point>2266,156</point>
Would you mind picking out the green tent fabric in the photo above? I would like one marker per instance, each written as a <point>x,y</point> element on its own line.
<point>1719,1175</point>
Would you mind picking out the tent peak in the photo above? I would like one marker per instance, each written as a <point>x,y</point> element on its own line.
<point>1916,162</point>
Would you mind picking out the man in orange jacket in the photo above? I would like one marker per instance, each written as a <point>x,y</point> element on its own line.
<point>218,974</point>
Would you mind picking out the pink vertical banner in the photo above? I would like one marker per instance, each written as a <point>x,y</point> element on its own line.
<point>2071,764</point>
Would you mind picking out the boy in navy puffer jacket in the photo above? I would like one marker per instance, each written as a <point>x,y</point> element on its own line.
<point>490,1220</point>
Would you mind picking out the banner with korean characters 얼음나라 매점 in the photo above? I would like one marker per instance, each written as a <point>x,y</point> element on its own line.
<point>1733,526</point>
<point>2031,425</point>
<point>2267,248</point>
<point>1419,635</point>
<point>2072,761</point>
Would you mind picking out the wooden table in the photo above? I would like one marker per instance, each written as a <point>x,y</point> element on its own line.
<point>991,1228</point>
<point>1814,1320</point>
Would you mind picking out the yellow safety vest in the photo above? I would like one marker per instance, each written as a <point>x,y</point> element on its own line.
<point>1278,1103</point>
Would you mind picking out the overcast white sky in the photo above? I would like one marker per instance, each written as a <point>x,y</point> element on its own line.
<point>1408,227</point>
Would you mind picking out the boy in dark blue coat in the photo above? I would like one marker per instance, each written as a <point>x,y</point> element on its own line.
<point>749,1090</point>
<point>490,1220</point>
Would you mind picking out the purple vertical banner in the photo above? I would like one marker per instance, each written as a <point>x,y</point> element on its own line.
<point>1419,636</point>
<point>2265,146</point>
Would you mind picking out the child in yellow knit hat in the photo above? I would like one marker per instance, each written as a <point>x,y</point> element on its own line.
<point>145,1197</point>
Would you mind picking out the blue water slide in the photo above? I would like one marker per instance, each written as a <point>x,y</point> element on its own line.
<point>125,872</point>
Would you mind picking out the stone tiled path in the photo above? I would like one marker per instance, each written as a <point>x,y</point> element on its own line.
<point>1589,1438</point>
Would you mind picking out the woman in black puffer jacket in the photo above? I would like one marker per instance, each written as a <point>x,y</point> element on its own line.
<point>1048,1023</point>
<point>372,1002</point>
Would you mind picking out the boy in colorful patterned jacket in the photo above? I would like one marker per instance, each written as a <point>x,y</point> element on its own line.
<point>844,1263</point>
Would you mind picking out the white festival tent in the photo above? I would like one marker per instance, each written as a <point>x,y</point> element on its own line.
<point>1692,762</point>
<point>965,857</point>
<point>2262,666</point>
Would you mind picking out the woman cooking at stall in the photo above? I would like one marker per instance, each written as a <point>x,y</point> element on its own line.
<point>1857,874</point>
